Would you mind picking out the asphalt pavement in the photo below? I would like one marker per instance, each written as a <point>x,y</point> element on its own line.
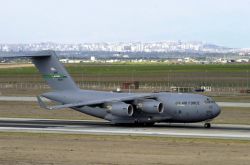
<point>218,131</point>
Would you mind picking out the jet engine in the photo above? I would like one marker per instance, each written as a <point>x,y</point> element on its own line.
<point>120,109</point>
<point>150,106</point>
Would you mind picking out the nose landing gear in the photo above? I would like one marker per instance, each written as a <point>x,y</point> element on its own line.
<point>207,125</point>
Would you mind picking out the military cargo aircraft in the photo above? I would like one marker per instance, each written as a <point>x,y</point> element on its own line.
<point>119,108</point>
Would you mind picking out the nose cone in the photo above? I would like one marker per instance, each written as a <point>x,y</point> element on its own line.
<point>217,110</point>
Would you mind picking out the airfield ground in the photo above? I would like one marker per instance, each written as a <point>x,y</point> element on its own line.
<point>152,77</point>
<point>38,149</point>
<point>226,80</point>
<point>29,148</point>
<point>233,77</point>
<point>236,74</point>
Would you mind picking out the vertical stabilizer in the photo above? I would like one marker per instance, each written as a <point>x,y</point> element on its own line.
<point>53,71</point>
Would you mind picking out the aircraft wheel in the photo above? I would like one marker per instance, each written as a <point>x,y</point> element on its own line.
<point>207,125</point>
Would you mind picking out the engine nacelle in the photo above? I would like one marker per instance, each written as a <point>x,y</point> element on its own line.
<point>150,106</point>
<point>120,109</point>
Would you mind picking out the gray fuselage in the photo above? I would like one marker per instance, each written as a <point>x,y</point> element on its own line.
<point>178,107</point>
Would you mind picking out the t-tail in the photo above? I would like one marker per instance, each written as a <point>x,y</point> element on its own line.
<point>51,69</point>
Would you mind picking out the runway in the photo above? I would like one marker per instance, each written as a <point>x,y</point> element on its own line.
<point>218,131</point>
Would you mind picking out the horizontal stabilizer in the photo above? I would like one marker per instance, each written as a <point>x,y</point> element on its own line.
<point>41,103</point>
<point>44,53</point>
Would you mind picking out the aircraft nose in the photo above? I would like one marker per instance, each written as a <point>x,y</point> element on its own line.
<point>217,110</point>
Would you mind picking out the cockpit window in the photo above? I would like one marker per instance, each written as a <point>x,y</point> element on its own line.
<point>209,101</point>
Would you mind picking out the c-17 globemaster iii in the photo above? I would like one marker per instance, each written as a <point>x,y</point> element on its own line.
<point>119,108</point>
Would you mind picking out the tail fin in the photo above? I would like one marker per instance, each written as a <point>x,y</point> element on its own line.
<point>51,69</point>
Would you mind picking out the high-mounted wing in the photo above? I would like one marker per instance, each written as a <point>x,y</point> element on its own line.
<point>93,102</point>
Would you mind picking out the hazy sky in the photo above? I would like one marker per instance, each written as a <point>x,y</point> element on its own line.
<point>223,22</point>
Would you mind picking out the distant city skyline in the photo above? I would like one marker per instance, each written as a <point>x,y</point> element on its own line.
<point>223,22</point>
<point>167,46</point>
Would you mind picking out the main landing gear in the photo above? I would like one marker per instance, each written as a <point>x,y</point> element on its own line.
<point>207,125</point>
